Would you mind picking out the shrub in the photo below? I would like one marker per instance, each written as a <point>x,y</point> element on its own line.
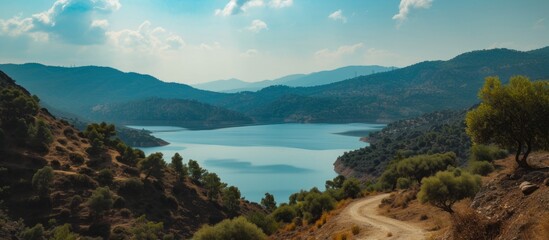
<point>100,201</point>
<point>284,213</point>
<point>34,233</point>
<point>82,181</point>
<point>55,164</point>
<point>42,179</point>
<point>481,167</point>
<point>86,171</point>
<point>133,186</point>
<point>125,213</point>
<point>488,153</point>
<point>266,222</point>
<point>268,202</point>
<point>65,213</point>
<point>75,202</point>
<point>351,188</point>
<point>469,225</point>
<point>119,202</point>
<point>144,230</point>
<point>105,177</point>
<point>100,229</point>
<point>237,228</point>
<point>355,230</point>
<point>120,233</point>
<point>63,233</point>
<point>446,188</point>
<point>315,204</point>
<point>403,183</point>
<point>76,158</point>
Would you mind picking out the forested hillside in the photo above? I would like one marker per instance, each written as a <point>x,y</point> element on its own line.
<point>438,132</point>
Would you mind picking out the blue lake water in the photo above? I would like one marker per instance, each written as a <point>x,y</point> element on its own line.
<point>280,159</point>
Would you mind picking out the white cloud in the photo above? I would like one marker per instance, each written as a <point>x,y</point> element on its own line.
<point>406,5</point>
<point>249,53</point>
<point>257,25</point>
<point>281,3</point>
<point>339,52</point>
<point>71,21</point>
<point>146,39</point>
<point>338,16</point>
<point>234,7</point>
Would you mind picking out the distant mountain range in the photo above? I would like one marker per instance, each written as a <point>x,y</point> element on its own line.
<point>381,97</point>
<point>295,80</point>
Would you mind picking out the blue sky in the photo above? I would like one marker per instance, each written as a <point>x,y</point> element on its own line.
<point>203,40</point>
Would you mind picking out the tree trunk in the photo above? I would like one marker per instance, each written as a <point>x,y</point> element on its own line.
<point>523,162</point>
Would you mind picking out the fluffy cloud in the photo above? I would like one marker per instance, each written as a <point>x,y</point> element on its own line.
<point>234,7</point>
<point>339,52</point>
<point>146,39</point>
<point>280,3</point>
<point>257,25</point>
<point>338,16</point>
<point>406,5</point>
<point>72,21</point>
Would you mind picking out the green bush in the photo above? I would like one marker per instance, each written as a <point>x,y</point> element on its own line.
<point>284,213</point>
<point>488,153</point>
<point>317,203</point>
<point>100,201</point>
<point>481,167</point>
<point>42,179</point>
<point>266,222</point>
<point>133,186</point>
<point>268,202</point>
<point>237,228</point>
<point>351,188</point>
<point>34,233</point>
<point>446,188</point>
<point>404,183</point>
<point>105,177</point>
<point>146,230</point>
<point>63,233</point>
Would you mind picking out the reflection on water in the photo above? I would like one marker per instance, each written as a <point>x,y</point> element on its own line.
<point>280,159</point>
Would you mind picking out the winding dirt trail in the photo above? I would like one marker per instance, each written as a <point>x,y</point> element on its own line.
<point>365,212</point>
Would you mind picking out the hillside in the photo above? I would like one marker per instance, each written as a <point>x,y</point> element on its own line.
<point>382,97</point>
<point>294,80</point>
<point>436,132</point>
<point>98,184</point>
<point>170,112</point>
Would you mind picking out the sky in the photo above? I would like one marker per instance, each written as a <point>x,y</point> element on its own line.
<point>195,41</point>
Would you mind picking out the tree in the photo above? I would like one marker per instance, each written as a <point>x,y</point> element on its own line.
<point>231,199</point>
<point>100,201</point>
<point>285,213</point>
<point>446,188</point>
<point>336,183</point>
<point>180,168</point>
<point>195,170</point>
<point>146,230</point>
<point>317,203</point>
<point>351,188</point>
<point>268,202</point>
<point>213,185</point>
<point>515,116</point>
<point>237,228</point>
<point>152,165</point>
<point>40,135</point>
<point>41,180</point>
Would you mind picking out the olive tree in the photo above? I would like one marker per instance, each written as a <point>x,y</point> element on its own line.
<point>514,116</point>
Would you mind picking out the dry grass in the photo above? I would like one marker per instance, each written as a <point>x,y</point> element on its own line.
<point>469,225</point>
<point>355,229</point>
<point>341,236</point>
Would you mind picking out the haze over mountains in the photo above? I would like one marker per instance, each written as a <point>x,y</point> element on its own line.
<point>295,80</point>
<point>381,97</point>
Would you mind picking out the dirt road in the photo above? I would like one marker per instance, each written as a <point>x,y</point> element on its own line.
<point>365,212</point>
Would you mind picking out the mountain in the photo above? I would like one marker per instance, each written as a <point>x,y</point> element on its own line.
<point>381,97</point>
<point>294,80</point>
<point>398,94</point>
<point>62,181</point>
<point>222,85</point>
<point>92,86</point>
<point>170,112</point>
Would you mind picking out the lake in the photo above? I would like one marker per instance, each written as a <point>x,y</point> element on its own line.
<point>280,159</point>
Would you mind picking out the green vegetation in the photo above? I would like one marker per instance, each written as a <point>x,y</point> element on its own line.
<point>487,153</point>
<point>513,116</point>
<point>40,135</point>
<point>42,179</point>
<point>105,177</point>
<point>177,164</point>
<point>146,230</point>
<point>195,170</point>
<point>268,202</point>
<point>100,201</point>
<point>34,233</point>
<point>415,168</point>
<point>231,199</point>
<point>266,222</point>
<point>351,188</point>
<point>317,203</point>
<point>448,187</point>
<point>63,232</point>
<point>153,165</point>
<point>432,133</point>
<point>213,185</point>
<point>237,228</point>
<point>284,213</point>
<point>481,167</point>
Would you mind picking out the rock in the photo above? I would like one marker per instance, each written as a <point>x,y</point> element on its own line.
<point>546,182</point>
<point>528,187</point>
